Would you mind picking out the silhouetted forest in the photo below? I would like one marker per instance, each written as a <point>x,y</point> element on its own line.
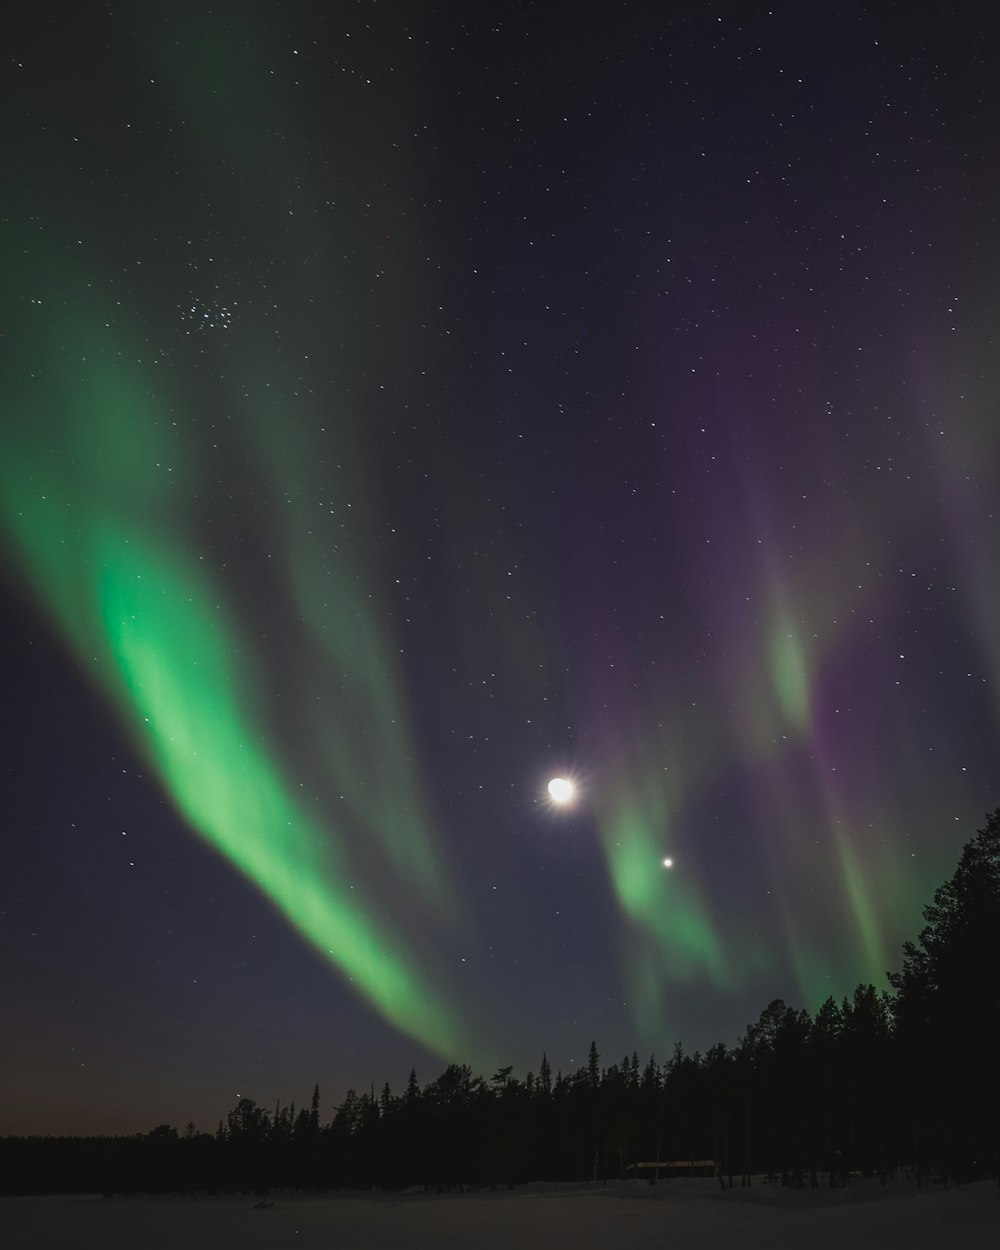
<point>876,1083</point>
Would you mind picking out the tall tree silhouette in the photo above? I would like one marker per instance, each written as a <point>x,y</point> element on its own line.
<point>947,1009</point>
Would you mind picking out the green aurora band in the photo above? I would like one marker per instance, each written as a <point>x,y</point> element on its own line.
<point>106,488</point>
<point>672,939</point>
<point>97,483</point>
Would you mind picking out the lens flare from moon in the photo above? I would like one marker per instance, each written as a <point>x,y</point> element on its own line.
<point>561,791</point>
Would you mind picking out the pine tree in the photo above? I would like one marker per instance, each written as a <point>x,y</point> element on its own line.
<point>314,1113</point>
<point>593,1067</point>
<point>947,1014</point>
<point>412,1089</point>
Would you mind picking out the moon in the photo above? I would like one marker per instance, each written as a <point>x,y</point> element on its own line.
<point>561,791</point>
<point>668,862</point>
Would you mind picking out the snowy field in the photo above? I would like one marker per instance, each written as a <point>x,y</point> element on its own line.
<point>631,1216</point>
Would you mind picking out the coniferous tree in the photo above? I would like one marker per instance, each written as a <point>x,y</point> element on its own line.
<point>826,1096</point>
<point>545,1074</point>
<point>947,1014</point>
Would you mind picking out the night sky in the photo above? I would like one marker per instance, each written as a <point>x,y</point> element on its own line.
<point>404,404</point>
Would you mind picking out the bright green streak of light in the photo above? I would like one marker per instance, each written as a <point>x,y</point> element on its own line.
<point>652,897</point>
<point>172,656</point>
<point>789,671</point>
<point>95,518</point>
<point>816,971</point>
<point>680,943</point>
<point>380,786</point>
<point>865,914</point>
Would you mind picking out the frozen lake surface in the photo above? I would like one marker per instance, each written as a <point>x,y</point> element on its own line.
<point>686,1214</point>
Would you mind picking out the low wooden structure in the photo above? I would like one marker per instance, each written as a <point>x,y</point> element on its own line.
<point>707,1167</point>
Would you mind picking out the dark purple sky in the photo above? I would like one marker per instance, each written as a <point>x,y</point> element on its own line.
<point>406,404</point>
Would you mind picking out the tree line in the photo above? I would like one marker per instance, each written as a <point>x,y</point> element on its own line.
<point>875,1083</point>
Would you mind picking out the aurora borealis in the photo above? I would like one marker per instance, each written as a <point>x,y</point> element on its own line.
<point>406,405</point>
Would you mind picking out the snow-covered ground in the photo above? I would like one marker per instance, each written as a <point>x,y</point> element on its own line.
<point>681,1214</point>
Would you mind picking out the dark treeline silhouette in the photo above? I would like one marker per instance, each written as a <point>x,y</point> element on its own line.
<point>875,1083</point>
